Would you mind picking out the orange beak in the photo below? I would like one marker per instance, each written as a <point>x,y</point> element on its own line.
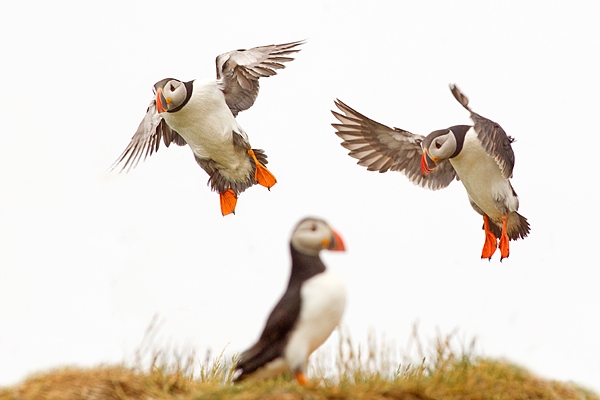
<point>427,164</point>
<point>160,101</point>
<point>337,244</point>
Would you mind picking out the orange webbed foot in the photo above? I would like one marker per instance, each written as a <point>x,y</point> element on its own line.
<point>262,175</point>
<point>490,245</point>
<point>228,202</point>
<point>504,250</point>
<point>301,378</point>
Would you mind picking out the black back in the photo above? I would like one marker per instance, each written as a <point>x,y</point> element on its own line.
<point>283,318</point>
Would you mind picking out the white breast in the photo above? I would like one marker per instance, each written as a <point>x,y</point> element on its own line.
<point>323,303</point>
<point>207,125</point>
<point>481,176</point>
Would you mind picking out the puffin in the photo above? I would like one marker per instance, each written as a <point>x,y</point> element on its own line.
<point>202,114</point>
<point>479,155</point>
<point>307,313</point>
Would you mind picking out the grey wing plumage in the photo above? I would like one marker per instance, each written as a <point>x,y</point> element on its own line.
<point>146,139</point>
<point>494,139</point>
<point>239,71</point>
<point>381,148</point>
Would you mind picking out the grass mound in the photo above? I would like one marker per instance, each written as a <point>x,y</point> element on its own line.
<point>357,372</point>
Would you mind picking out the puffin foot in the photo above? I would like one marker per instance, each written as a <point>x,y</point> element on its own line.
<point>490,245</point>
<point>262,175</point>
<point>228,202</point>
<point>301,378</point>
<point>504,251</point>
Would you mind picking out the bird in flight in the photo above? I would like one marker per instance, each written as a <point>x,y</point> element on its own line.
<point>201,114</point>
<point>479,155</point>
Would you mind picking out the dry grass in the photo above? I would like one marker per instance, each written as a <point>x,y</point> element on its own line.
<point>347,371</point>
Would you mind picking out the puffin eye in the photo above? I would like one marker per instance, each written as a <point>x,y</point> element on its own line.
<point>172,88</point>
<point>437,145</point>
<point>313,227</point>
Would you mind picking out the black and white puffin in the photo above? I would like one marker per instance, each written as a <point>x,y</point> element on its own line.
<point>306,315</point>
<point>202,115</point>
<point>480,156</point>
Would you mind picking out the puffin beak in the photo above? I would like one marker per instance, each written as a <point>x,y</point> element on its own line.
<point>161,102</point>
<point>427,164</point>
<point>336,243</point>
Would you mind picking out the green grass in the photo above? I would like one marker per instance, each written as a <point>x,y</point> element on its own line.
<point>443,370</point>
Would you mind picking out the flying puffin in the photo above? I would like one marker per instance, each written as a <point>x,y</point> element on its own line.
<point>480,156</point>
<point>308,312</point>
<point>202,115</point>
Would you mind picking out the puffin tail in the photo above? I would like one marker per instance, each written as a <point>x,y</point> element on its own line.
<point>255,358</point>
<point>518,227</point>
<point>260,156</point>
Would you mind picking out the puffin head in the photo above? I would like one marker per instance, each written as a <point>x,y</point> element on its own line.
<point>437,146</point>
<point>313,235</point>
<point>171,94</point>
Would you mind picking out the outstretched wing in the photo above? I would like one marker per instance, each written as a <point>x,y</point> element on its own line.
<point>380,148</point>
<point>238,71</point>
<point>146,139</point>
<point>493,138</point>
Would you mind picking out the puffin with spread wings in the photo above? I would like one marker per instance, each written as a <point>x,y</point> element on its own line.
<point>202,115</point>
<point>480,156</point>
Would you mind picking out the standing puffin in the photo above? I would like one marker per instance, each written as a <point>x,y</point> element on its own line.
<point>202,115</point>
<point>308,312</point>
<point>480,156</point>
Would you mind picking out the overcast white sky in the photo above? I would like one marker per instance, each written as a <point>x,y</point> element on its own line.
<point>88,256</point>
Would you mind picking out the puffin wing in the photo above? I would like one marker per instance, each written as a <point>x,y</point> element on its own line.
<point>146,139</point>
<point>238,71</point>
<point>381,148</point>
<point>274,337</point>
<point>493,138</point>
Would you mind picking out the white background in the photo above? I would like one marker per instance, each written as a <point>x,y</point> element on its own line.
<point>89,256</point>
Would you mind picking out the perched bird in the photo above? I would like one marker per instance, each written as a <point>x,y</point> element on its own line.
<point>202,115</point>
<point>308,312</point>
<point>480,156</point>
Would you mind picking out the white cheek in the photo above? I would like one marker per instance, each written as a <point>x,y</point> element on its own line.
<point>437,153</point>
<point>445,150</point>
<point>305,244</point>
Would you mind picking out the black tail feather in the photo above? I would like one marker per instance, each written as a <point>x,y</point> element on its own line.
<point>518,227</point>
<point>255,358</point>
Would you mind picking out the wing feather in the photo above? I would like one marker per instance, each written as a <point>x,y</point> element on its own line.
<point>272,341</point>
<point>146,139</point>
<point>381,148</point>
<point>493,138</point>
<point>239,71</point>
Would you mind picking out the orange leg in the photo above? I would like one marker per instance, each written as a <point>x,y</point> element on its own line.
<point>489,247</point>
<point>228,202</point>
<point>262,175</point>
<point>301,378</point>
<point>504,240</point>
